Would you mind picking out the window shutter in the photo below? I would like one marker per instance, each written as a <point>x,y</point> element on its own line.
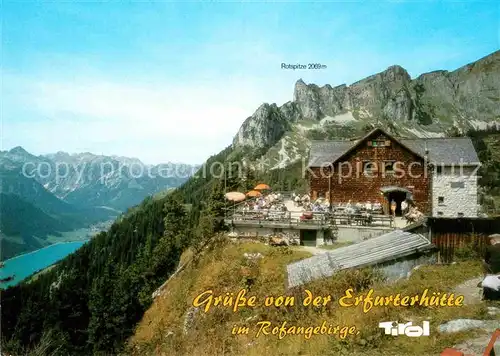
<point>388,143</point>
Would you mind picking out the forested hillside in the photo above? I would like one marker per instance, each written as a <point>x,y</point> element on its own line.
<point>24,225</point>
<point>91,301</point>
<point>30,213</point>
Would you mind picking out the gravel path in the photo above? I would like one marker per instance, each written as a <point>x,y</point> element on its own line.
<point>470,290</point>
<point>472,295</point>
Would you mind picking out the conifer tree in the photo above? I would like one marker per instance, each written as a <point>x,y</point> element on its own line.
<point>174,239</point>
<point>250,179</point>
<point>212,216</point>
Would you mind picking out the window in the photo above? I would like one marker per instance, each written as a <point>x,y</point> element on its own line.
<point>460,215</point>
<point>440,200</point>
<point>389,166</point>
<point>440,213</point>
<point>369,168</point>
<point>377,143</point>
<point>457,184</point>
<point>439,170</point>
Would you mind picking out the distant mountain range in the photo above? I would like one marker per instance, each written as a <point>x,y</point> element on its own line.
<point>435,104</point>
<point>48,194</point>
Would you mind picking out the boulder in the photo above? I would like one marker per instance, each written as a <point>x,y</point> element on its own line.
<point>459,325</point>
<point>278,241</point>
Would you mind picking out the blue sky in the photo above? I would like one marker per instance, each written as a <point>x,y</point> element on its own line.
<point>172,81</point>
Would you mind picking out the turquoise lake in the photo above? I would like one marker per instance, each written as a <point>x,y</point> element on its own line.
<point>23,266</point>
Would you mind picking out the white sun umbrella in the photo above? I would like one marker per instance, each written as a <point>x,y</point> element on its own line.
<point>235,197</point>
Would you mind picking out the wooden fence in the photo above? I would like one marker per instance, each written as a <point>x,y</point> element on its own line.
<point>319,218</point>
<point>461,236</point>
<point>452,245</point>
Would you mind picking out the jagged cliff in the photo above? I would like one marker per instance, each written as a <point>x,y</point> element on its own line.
<point>430,105</point>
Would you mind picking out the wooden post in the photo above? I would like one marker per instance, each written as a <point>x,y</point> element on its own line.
<point>330,187</point>
<point>490,348</point>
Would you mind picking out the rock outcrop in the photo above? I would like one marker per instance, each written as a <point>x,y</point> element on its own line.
<point>468,97</point>
<point>265,127</point>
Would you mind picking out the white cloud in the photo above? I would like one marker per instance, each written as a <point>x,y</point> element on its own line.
<point>154,123</point>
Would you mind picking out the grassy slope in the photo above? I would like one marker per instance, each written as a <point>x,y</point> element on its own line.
<point>225,270</point>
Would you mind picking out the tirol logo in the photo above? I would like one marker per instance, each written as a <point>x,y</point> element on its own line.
<point>394,328</point>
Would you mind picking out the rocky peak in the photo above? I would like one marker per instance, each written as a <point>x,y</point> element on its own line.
<point>395,73</point>
<point>264,110</point>
<point>264,128</point>
<point>299,89</point>
<point>59,156</point>
<point>19,154</point>
<point>434,101</point>
<point>306,97</point>
<point>18,150</point>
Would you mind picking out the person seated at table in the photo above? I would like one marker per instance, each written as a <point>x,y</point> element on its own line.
<point>350,210</point>
<point>377,207</point>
